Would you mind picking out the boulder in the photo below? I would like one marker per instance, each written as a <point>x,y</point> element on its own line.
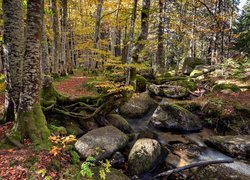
<point>119,122</point>
<point>168,91</point>
<point>141,84</point>
<point>101,143</point>
<point>138,106</point>
<point>143,156</point>
<point>234,146</point>
<point>189,64</point>
<point>172,117</point>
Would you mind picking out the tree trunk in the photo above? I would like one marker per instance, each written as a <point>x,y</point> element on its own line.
<point>56,36</point>
<point>144,30</point>
<point>160,56</point>
<point>44,47</point>
<point>31,122</point>
<point>64,37</point>
<point>130,79</point>
<point>13,48</point>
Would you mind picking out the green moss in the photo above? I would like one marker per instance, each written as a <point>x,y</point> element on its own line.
<point>189,84</point>
<point>233,87</point>
<point>141,83</point>
<point>32,124</point>
<point>57,130</point>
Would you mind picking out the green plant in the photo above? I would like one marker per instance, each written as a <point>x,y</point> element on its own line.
<point>87,172</point>
<point>86,167</point>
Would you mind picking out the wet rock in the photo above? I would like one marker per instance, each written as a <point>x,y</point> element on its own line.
<point>117,160</point>
<point>168,91</point>
<point>137,106</point>
<point>114,174</point>
<point>143,155</point>
<point>119,122</point>
<point>235,146</point>
<point>222,172</point>
<point>147,133</point>
<point>172,117</point>
<point>101,142</point>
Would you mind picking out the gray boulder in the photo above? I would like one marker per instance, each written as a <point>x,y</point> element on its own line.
<point>138,106</point>
<point>235,146</point>
<point>101,143</point>
<point>143,155</point>
<point>119,122</point>
<point>172,117</point>
<point>169,91</point>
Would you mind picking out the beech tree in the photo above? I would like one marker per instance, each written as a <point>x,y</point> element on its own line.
<point>31,122</point>
<point>13,48</point>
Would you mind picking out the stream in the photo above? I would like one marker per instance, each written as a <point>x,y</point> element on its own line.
<point>197,138</point>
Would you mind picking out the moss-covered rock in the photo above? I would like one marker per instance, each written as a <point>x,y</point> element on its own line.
<point>73,128</point>
<point>138,106</point>
<point>168,91</point>
<point>143,155</point>
<point>188,84</point>
<point>220,87</point>
<point>141,84</point>
<point>190,63</point>
<point>172,117</point>
<point>119,122</point>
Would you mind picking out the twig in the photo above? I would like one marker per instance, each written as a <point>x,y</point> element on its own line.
<point>201,163</point>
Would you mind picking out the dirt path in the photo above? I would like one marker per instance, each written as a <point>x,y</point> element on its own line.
<point>73,86</point>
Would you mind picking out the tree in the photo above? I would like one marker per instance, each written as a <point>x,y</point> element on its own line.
<point>31,122</point>
<point>13,48</point>
<point>243,41</point>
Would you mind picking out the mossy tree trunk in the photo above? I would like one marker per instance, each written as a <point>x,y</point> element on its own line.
<point>13,48</point>
<point>31,122</point>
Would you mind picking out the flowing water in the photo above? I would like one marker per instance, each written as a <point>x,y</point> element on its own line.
<point>197,138</point>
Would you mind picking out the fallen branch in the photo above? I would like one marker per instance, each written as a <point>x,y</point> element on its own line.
<point>200,163</point>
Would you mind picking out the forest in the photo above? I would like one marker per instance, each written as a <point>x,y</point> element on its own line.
<point>124,89</point>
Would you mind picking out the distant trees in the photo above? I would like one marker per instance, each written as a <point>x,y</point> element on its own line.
<point>243,41</point>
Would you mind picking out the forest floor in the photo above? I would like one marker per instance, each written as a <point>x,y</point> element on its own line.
<point>19,163</point>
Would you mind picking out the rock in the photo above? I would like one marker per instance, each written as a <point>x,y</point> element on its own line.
<point>101,143</point>
<point>57,130</point>
<point>143,156</point>
<point>138,106</point>
<point>172,117</point>
<point>73,128</point>
<point>222,172</point>
<point>189,64</point>
<point>88,124</point>
<point>168,91</point>
<point>114,174</point>
<point>220,87</point>
<point>147,133</point>
<point>119,122</point>
<point>141,84</point>
<point>235,146</point>
<point>117,160</point>
<point>201,69</point>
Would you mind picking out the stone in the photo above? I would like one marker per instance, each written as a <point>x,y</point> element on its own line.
<point>117,160</point>
<point>220,87</point>
<point>119,122</point>
<point>168,91</point>
<point>144,154</point>
<point>138,106</point>
<point>190,63</point>
<point>235,146</point>
<point>73,128</point>
<point>172,117</point>
<point>101,142</point>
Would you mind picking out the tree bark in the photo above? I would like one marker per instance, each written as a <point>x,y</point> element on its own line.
<point>160,55</point>
<point>13,48</point>
<point>131,78</point>
<point>31,122</point>
<point>64,37</point>
<point>56,39</point>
